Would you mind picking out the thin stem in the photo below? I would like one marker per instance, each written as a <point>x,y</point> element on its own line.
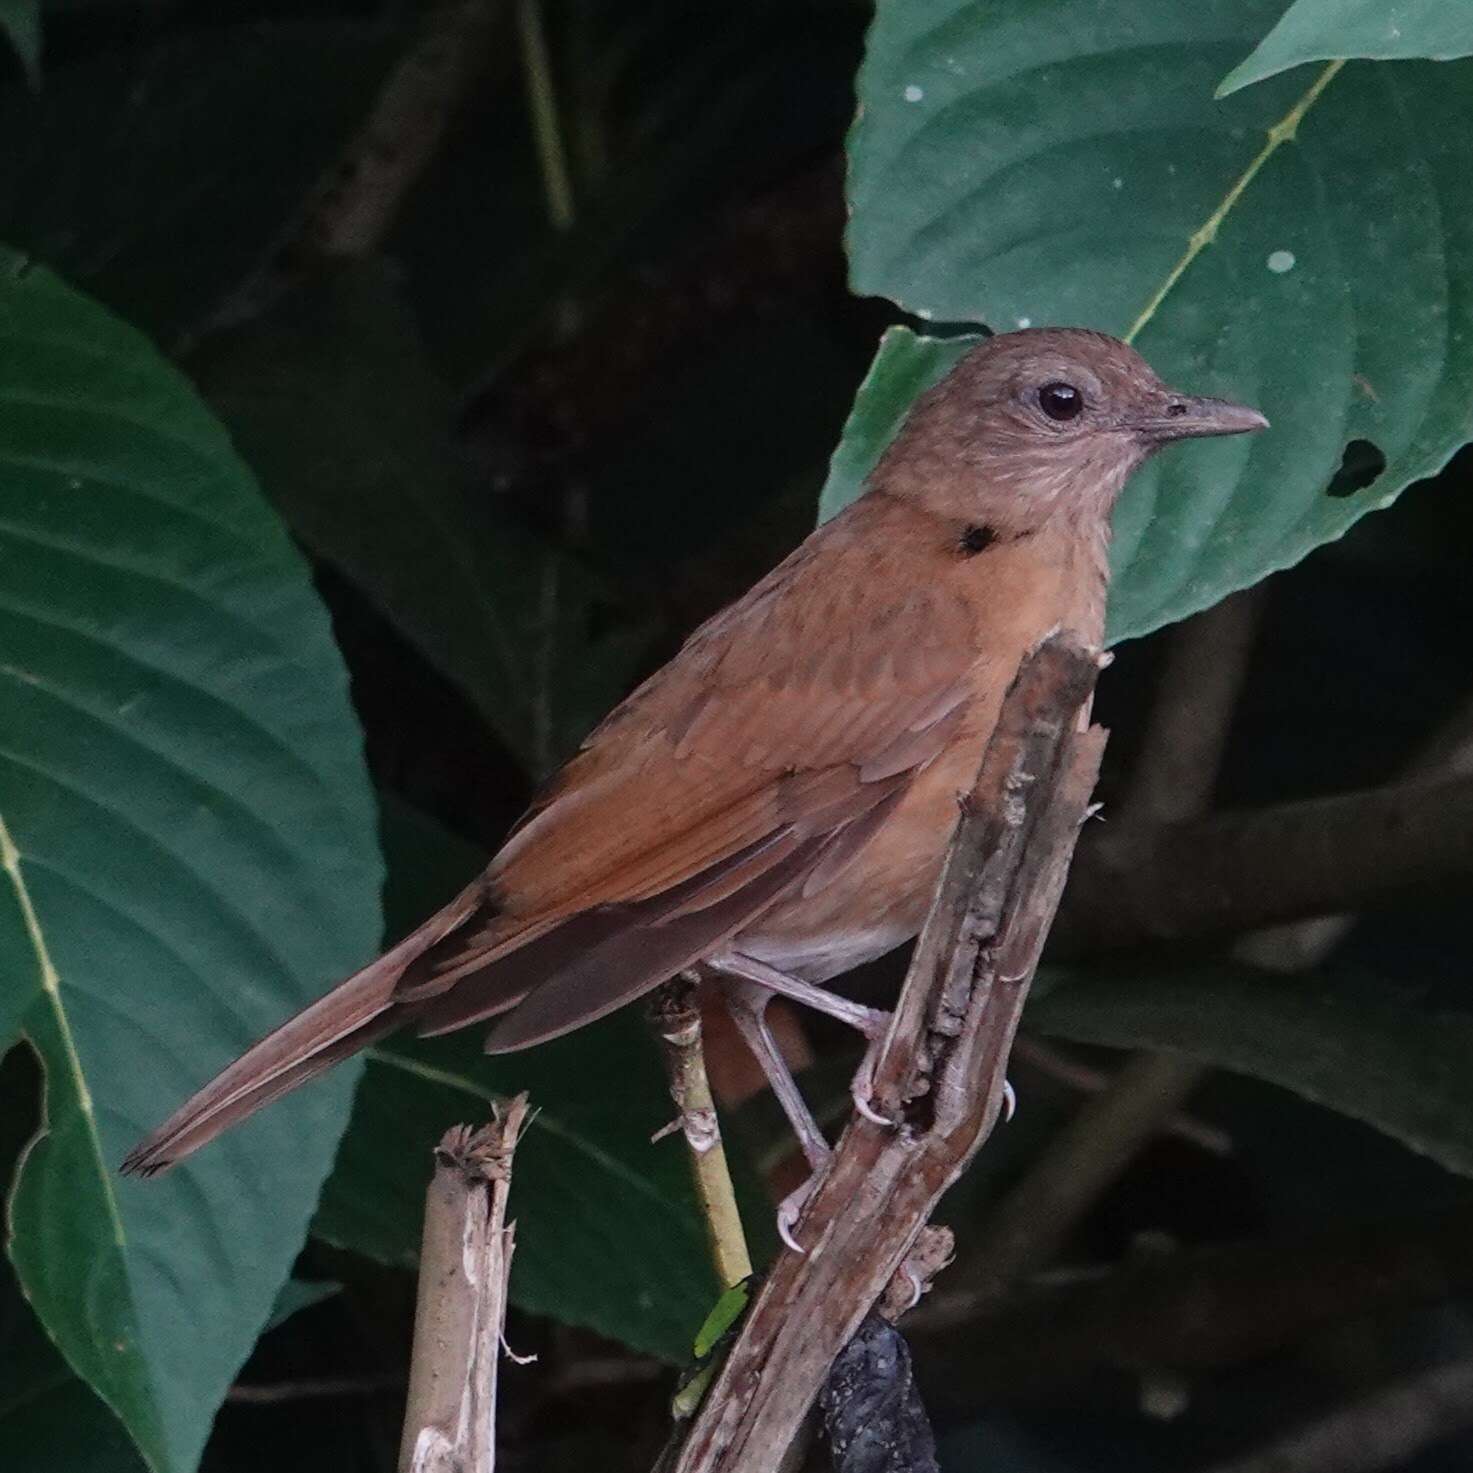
<point>677,1023</point>
<point>547,132</point>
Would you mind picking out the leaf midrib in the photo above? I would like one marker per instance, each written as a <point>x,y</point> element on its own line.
<point>1280,133</point>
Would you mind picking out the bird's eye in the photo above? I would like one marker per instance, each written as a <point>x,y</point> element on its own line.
<point>1060,401</point>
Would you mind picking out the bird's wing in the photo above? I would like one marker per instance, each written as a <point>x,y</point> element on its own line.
<point>761,758</point>
<point>772,744</point>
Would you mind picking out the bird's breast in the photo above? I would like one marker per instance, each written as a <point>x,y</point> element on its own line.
<point>880,899</point>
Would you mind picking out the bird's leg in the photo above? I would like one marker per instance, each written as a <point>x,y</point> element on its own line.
<point>747,1004</point>
<point>871,1022</point>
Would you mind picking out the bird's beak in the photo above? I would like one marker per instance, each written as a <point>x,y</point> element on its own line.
<point>1184,417</point>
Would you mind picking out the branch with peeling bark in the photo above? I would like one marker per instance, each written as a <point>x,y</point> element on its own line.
<point>940,1072</point>
<point>464,1267</point>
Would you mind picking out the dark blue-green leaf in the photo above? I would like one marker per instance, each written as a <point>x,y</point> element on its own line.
<point>188,851</point>
<point>1385,30</point>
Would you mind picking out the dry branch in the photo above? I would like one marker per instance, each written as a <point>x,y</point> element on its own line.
<point>940,1071</point>
<point>464,1265</point>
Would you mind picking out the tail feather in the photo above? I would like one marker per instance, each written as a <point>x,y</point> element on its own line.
<point>353,1014</point>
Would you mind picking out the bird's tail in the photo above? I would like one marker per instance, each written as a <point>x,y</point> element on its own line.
<point>354,1014</point>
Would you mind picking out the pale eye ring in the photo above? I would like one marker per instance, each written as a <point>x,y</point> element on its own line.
<point>1060,401</point>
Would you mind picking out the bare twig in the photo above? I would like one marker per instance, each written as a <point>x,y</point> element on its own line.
<point>940,1071</point>
<point>1382,1431</point>
<point>465,1262</point>
<point>676,1019</point>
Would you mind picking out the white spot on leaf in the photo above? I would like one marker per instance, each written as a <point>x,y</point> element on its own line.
<point>914,93</point>
<point>1281,261</point>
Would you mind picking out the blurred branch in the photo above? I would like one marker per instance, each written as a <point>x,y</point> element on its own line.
<point>1305,944</point>
<point>676,1019</point>
<point>1035,1219</point>
<point>940,1071</point>
<point>464,1267</point>
<point>1056,1064</point>
<point>1233,873</point>
<point>356,204</point>
<point>1195,1308</point>
<point>1382,1431</point>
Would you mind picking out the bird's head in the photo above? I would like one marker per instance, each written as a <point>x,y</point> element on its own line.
<point>1032,423</point>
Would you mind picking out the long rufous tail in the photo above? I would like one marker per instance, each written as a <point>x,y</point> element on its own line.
<point>364,1008</point>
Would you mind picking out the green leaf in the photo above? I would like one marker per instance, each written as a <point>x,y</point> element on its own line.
<point>1385,30</point>
<point>608,1231</point>
<point>724,1314</point>
<point>297,1295</point>
<point>21,22</point>
<point>158,176</point>
<point>1391,1064</point>
<point>48,1418</point>
<point>334,401</point>
<point>1061,161</point>
<point>188,853</point>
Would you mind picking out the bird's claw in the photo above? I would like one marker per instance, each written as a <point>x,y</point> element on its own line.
<point>790,1209</point>
<point>863,1106</point>
<point>1009,1100</point>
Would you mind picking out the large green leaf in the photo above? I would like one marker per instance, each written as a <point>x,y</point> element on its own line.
<point>1398,1067</point>
<point>188,853</point>
<point>1387,30</point>
<point>1306,248</point>
<point>608,1231</point>
<point>159,176</point>
<point>332,398</point>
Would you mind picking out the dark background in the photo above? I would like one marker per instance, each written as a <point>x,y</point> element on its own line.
<point>652,393</point>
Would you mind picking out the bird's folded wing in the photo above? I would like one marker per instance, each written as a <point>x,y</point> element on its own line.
<point>763,754</point>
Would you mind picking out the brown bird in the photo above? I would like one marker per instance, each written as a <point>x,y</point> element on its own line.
<point>773,806</point>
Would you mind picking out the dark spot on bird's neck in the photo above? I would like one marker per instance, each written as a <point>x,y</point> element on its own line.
<point>975,539</point>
